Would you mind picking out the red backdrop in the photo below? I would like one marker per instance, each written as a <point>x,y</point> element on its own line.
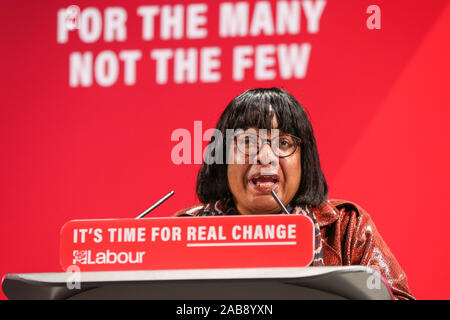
<point>378,101</point>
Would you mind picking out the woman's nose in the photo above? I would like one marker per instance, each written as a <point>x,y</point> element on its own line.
<point>267,156</point>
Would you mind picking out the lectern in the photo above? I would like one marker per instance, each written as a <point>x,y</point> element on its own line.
<point>353,282</point>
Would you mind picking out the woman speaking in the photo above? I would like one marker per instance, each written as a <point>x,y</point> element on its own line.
<point>272,147</point>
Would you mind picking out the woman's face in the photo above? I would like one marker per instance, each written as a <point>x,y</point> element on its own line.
<point>251,178</point>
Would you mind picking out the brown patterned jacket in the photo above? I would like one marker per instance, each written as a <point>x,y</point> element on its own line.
<point>349,237</point>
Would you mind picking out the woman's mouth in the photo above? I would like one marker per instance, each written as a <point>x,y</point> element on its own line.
<point>264,183</point>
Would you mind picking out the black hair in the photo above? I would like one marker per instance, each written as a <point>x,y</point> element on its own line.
<point>251,109</point>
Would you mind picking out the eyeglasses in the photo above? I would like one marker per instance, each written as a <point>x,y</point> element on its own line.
<point>282,146</point>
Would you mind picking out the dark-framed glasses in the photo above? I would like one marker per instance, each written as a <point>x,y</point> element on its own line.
<point>282,145</point>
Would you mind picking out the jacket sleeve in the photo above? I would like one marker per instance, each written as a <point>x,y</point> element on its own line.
<point>363,245</point>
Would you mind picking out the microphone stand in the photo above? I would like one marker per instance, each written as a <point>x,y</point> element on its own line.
<point>279,202</point>
<point>167,196</point>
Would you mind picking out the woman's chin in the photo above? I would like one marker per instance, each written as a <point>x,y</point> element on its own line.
<point>264,206</point>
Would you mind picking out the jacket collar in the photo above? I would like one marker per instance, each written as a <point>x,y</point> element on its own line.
<point>326,213</point>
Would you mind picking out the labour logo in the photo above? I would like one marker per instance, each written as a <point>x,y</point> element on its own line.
<point>80,256</point>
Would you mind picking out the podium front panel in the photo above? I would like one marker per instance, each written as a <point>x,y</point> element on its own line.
<point>354,282</point>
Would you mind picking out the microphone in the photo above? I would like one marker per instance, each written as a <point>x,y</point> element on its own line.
<point>279,201</point>
<point>167,196</point>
